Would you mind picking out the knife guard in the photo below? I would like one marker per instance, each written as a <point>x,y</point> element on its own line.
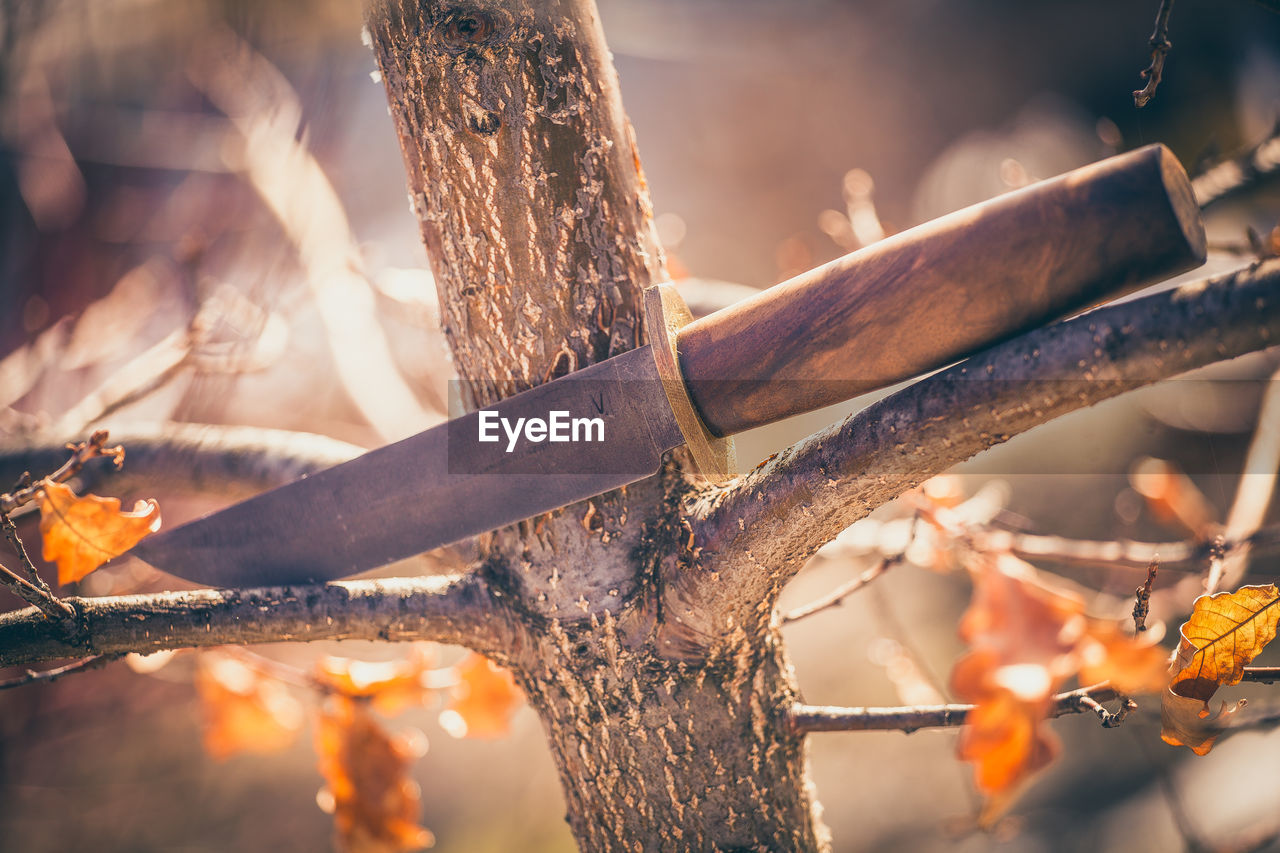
<point>665,314</point>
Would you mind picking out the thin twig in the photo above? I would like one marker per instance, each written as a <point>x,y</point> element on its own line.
<point>1241,173</point>
<point>36,591</point>
<point>1142,598</point>
<point>1160,47</point>
<point>1182,556</point>
<point>1084,702</point>
<point>821,718</point>
<point>11,533</point>
<point>49,607</point>
<point>81,453</point>
<point>33,677</point>
<point>1261,674</point>
<point>840,593</point>
<point>827,718</point>
<point>1254,491</point>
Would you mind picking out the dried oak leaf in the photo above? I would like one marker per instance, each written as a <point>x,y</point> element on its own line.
<point>1023,637</point>
<point>82,533</point>
<point>1224,633</point>
<point>366,772</point>
<point>483,701</point>
<point>391,686</point>
<point>1190,723</point>
<point>1027,639</point>
<point>245,710</point>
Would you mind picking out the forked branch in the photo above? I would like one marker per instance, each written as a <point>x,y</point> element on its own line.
<point>761,529</point>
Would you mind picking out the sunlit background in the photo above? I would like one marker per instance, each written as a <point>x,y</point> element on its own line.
<point>203,218</point>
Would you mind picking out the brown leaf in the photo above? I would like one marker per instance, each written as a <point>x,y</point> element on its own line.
<point>366,771</point>
<point>82,533</point>
<point>1224,633</point>
<point>483,701</point>
<point>1188,722</point>
<point>245,710</point>
<point>1027,639</point>
<point>392,686</point>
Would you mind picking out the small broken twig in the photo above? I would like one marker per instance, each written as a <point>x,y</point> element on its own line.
<point>1160,47</point>
<point>41,599</point>
<point>840,593</point>
<point>35,591</point>
<point>81,453</point>
<point>1142,598</point>
<point>33,677</point>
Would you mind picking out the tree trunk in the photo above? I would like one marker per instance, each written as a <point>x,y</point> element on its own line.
<point>663,710</point>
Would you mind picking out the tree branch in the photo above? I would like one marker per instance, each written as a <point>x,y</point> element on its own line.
<point>837,596</point>
<point>760,530</point>
<point>32,677</point>
<point>1186,555</point>
<point>64,469</point>
<point>195,457</point>
<point>807,719</point>
<point>1239,174</point>
<point>462,610</point>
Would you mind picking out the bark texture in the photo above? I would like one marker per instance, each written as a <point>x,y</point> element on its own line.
<point>663,715</point>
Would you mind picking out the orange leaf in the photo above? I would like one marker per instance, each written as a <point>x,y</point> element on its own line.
<point>391,685</point>
<point>245,710</point>
<point>1188,722</point>
<point>483,701</point>
<point>81,534</point>
<point>1130,664</point>
<point>1024,637</point>
<point>1225,632</point>
<point>1003,735</point>
<point>366,771</point>
<point>1027,640</point>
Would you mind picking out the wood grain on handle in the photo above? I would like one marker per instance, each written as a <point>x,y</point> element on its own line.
<point>943,290</point>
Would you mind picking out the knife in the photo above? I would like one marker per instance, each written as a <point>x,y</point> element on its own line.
<point>906,305</point>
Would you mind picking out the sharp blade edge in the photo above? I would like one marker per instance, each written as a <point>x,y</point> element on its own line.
<point>432,489</point>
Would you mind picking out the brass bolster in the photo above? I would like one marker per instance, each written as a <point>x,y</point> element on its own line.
<point>665,313</point>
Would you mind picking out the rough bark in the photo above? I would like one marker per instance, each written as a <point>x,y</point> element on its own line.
<point>442,609</point>
<point>525,179</point>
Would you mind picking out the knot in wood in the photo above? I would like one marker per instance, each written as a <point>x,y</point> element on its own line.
<point>465,27</point>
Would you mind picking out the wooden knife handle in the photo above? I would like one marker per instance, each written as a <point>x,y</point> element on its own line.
<point>943,290</point>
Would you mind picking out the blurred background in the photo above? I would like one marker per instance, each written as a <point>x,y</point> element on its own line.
<point>203,219</point>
